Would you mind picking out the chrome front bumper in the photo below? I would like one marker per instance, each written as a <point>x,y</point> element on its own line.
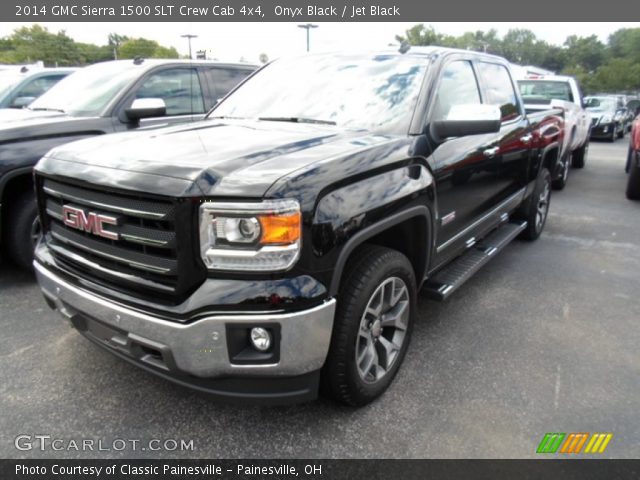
<point>196,349</point>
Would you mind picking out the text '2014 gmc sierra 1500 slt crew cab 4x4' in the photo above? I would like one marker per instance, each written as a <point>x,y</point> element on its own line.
<point>278,246</point>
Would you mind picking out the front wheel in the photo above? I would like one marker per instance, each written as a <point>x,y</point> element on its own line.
<point>561,182</point>
<point>536,209</point>
<point>373,325</point>
<point>24,230</point>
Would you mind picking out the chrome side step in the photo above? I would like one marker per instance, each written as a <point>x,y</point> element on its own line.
<point>450,278</point>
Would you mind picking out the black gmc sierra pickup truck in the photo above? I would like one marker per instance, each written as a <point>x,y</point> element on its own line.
<point>278,247</point>
<point>103,98</point>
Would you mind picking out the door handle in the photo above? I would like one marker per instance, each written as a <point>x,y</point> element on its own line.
<point>491,152</point>
<point>526,139</point>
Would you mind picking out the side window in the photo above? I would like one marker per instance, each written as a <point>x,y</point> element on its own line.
<point>458,86</point>
<point>499,89</point>
<point>178,87</point>
<point>225,79</point>
<point>38,86</point>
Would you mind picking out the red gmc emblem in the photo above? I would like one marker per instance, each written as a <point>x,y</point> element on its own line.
<point>89,222</point>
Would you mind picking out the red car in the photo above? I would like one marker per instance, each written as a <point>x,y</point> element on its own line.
<point>633,162</point>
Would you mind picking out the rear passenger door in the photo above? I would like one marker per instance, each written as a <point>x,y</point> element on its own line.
<point>511,157</point>
<point>464,167</point>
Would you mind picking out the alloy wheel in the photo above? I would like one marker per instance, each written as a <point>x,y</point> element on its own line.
<point>383,330</point>
<point>543,207</point>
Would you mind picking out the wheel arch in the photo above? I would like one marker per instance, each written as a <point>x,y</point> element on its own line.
<point>392,233</point>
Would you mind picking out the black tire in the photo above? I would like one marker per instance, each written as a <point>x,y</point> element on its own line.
<point>612,137</point>
<point>561,182</point>
<point>369,270</point>
<point>535,206</point>
<point>633,182</point>
<point>579,157</point>
<point>22,230</point>
<point>622,132</point>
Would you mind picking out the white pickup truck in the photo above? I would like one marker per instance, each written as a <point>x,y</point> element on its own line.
<point>541,92</point>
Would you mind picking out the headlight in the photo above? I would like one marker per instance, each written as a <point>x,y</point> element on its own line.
<point>258,237</point>
<point>606,119</point>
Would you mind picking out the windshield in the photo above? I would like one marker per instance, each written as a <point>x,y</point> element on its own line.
<point>376,93</point>
<point>600,103</point>
<point>88,91</point>
<point>544,90</point>
<point>8,81</point>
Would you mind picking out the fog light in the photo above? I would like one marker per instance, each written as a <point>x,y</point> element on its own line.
<point>261,339</point>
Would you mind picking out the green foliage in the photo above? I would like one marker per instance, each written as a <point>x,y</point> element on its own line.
<point>141,47</point>
<point>599,67</point>
<point>36,43</point>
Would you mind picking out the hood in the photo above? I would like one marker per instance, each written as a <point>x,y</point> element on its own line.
<point>22,124</point>
<point>215,157</point>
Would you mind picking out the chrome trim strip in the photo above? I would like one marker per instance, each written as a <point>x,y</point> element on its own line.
<point>96,266</point>
<point>479,221</point>
<point>131,263</point>
<point>143,241</point>
<point>124,210</point>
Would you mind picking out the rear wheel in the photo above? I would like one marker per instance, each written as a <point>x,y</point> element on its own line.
<point>579,157</point>
<point>372,327</point>
<point>560,182</point>
<point>24,230</point>
<point>633,182</point>
<point>536,209</point>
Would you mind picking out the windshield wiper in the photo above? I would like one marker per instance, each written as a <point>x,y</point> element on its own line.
<point>46,109</point>
<point>225,117</point>
<point>296,120</point>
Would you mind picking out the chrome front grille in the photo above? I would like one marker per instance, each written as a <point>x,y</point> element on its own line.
<point>135,250</point>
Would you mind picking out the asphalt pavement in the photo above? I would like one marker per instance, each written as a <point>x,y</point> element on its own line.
<point>545,338</point>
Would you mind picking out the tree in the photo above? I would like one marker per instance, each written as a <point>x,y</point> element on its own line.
<point>420,35</point>
<point>141,47</point>
<point>30,44</point>
<point>586,52</point>
<point>625,43</point>
<point>115,40</point>
<point>618,75</point>
<point>521,46</point>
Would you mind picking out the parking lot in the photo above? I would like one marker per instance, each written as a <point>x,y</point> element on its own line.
<point>543,339</point>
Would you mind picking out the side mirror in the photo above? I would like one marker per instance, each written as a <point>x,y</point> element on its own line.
<point>472,119</point>
<point>146,108</point>
<point>21,102</point>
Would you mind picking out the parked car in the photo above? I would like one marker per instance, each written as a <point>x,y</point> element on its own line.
<point>539,92</point>
<point>633,162</point>
<point>284,239</point>
<point>20,87</point>
<point>103,98</point>
<point>609,117</point>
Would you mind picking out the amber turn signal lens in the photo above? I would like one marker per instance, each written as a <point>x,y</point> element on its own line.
<point>280,229</point>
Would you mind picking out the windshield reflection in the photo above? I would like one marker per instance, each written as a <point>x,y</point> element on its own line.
<point>376,93</point>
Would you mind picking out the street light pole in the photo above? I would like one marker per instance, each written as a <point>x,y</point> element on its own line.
<point>307,27</point>
<point>189,36</point>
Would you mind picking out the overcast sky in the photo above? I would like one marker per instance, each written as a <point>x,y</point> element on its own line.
<point>231,41</point>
